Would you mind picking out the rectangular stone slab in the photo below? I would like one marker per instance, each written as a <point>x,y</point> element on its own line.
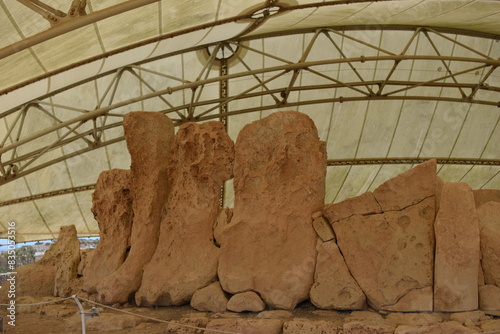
<point>457,250</point>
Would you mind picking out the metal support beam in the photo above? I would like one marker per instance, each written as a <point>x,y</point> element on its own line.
<point>71,25</point>
<point>412,161</point>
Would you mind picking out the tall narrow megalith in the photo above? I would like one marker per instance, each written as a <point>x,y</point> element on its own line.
<point>457,250</point>
<point>186,257</point>
<point>149,136</point>
<point>112,208</point>
<point>279,181</point>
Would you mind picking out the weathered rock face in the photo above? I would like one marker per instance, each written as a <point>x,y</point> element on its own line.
<point>489,225</point>
<point>364,204</point>
<point>222,221</point>
<point>390,254</point>
<point>149,136</point>
<point>85,257</point>
<point>64,254</point>
<point>457,250</point>
<point>448,327</point>
<point>309,327</point>
<point>415,319</point>
<point>245,326</point>
<point>334,287</point>
<point>482,196</point>
<point>359,327</point>
<point>439,187</point>
<point>416,300</point>
<point>186,257</point>
<point>210,298</point>
<point>323,229</point>
<point>34,280</point>
<point>246,302</point>
<point>112,208</point>
<point>408,188</point>
<point>279,176</point>
<point>489,297</point>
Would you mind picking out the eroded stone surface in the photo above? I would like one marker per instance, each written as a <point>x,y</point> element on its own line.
<point>309,327</point>
<point>246,301</point>
<point>210,298</point>
<point>360,205</point>
<point>334,287</point>
<point>222,221</point>
<point>33,280</point>
<point>112,208</point>
<point>245,326</point>
<point>105,322</point>
<point>489,298</point>
<point>439,188</point>
<point>323,229</point>
<point>64,254</point>
<point>279,180</point>
<point>457,250</point>
<point>185,325</point>
<point>274,314</point>
<point>448,327</point>
<point>474,316</point>
<point>482,196</point>
<point>408,188</point>
<point>149,136</point>
<point>416,300</point>
<point>85,257</point>
<point>186,257</point>
<point>356,327</point>
<point>415,319</point>
<point>489,226</point>
<point>390,254</point>
<point>492,325</point>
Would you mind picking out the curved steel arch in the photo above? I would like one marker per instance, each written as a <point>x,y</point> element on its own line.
<point>258,79</point>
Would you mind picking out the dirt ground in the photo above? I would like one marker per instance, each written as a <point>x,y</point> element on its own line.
<point>64,318</point>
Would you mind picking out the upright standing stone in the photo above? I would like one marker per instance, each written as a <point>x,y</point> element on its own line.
<point>408,188</point>
<point>334,288</point>
<point>364,204</point>
<point>112,208</point>
<point>489,223</point>
<point>482,196</point>
<point>65,255</point>
<point>279,180</point>
<point>457,250</point>
<point>186,257</point>
<point>149,136</point>
<point>391,254</point>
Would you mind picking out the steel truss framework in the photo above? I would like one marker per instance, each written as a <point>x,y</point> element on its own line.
<point>276,86</point>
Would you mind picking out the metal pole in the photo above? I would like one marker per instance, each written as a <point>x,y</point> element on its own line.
<point>82,312</point>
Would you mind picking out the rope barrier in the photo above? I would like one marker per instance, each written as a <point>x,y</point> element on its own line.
<point>151,318</point>
<point>158,320</point>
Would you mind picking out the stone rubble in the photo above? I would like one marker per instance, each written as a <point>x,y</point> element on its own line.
<point>246,302</point>
<point>210,299</point>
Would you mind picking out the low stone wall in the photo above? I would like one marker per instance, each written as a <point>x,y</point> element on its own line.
<point>414,244</point>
